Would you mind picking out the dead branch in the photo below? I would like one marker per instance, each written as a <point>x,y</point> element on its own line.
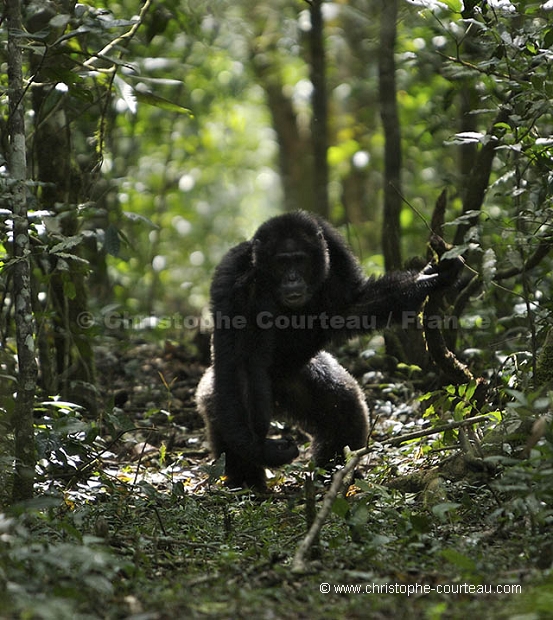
<point>299,563</point>
<point>396,441</point>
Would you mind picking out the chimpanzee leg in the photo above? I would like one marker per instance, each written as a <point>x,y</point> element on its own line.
<point>328,403</point>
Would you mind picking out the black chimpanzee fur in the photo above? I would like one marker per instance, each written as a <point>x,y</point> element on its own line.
<point>277,300</point>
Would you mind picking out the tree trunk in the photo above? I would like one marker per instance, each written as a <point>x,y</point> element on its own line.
<point>61,190</point>
<point>24,451</point>
<point>391,246</point>
<point>319,124</point>
<point>294,154</point>
<point>479,179</point>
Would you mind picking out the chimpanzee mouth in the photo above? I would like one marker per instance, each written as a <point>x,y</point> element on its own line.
<point>294,300</point>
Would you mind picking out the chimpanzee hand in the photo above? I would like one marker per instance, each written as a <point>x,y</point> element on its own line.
<point>278,452</point>
<point>441,274</point>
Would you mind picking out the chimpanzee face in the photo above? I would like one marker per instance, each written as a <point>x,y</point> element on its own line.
<point>293,272</point>
<point>294,263</point>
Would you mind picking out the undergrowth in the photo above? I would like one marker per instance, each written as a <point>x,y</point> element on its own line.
<point>128,548</point>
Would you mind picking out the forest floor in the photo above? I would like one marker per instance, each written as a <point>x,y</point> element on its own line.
<point>142,527</point>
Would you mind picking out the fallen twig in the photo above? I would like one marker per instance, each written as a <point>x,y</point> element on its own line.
<point>299,563</point>
<point>396,441</point>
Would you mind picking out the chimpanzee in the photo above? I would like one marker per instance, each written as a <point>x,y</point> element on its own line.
<point>277,300</point>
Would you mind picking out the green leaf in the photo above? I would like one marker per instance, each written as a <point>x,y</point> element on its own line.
<point>466,390</point>
<point>60,21</point>
<point>359,515</point>
<point>137,217</point>
<point>340,507</point>
<point>363,485</point>
<point>455,252</point>
<point>126,93</point>
<point>421,523</point>
<point>61,404</point>
<point>470,390</point>
<point>66,244</point>
<point>459,560</point>
<point>59,74</point>
<point>454,5</point>
<point>441,510</point>
<point>496,415</point>
<point>433,5</point>
<point>159,102</point>
<point>74,257</point>
<point>112,242</point>
<point>69,289</point>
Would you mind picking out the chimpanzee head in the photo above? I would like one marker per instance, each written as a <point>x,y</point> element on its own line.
<point>290,255</point>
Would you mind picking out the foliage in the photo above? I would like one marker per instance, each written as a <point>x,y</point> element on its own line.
<point>134,547</point>
<point>64,439</point>
<point>108,538</point>
<point>528,492</point>
<point>171,185</point>
<point>50,570</point>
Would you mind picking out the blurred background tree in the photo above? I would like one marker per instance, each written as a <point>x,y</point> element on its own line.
<point>163,133</point>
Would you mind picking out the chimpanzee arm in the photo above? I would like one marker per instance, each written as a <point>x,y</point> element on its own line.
<point>259,404</point>
<point>242,355</point>
<point>393,297</point>
<point>244,400</point>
